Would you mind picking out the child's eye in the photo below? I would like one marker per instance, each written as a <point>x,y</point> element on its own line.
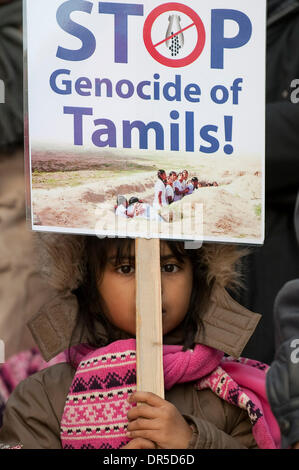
<point>170,268</point>
<point>125,269</point>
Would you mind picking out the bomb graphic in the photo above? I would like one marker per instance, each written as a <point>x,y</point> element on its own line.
<point>177,42</point>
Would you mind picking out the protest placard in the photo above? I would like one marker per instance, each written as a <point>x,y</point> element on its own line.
<point>146,120</point>
<point>120,90</point>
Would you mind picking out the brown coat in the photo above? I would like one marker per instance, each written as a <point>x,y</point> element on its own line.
<point>34,410</point>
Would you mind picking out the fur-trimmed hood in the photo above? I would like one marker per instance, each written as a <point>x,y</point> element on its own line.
<point>61,258</point>
<point>228,326</point>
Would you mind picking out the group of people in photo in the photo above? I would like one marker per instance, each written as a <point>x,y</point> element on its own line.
<point>172,188</point>
<point>168,189</point>
<point>135,207</point>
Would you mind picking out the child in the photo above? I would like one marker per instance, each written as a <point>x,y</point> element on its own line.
<point>178,188</point>
<point>185,178</point>
<point>169,188</point>
<point>160,190</point>
<point>138,208</point>
<point>192,185</point>
<point>87,402</point>
<point>121,206</point>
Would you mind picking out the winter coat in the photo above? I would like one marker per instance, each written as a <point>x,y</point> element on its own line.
<point>283,377</point>
<point>34,410</point>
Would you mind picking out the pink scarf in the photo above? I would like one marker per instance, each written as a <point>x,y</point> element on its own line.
<point>95,413</point>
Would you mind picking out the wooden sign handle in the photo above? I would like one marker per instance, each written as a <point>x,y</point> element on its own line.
<point>149,333</point>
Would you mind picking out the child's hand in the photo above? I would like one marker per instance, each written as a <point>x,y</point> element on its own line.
<point>140,443</point>
<point>159,421</point>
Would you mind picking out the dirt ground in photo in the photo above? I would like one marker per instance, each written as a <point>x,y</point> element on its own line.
<point>80,192</point>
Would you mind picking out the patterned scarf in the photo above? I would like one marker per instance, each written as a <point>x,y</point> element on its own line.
<point>95,413</point>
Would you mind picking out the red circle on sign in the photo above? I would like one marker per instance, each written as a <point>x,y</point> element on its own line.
<point>152,49</point>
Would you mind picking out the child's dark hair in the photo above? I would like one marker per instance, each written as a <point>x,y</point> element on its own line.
<point>92,308</point>
<point>133,199</point>
<point>160,173</point>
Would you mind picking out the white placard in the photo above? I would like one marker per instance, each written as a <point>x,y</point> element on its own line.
<point>120,90</point>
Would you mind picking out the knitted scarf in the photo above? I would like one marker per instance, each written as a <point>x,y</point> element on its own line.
<point>95,413</point>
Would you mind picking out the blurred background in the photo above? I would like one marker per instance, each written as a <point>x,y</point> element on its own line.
<point>21,290</point>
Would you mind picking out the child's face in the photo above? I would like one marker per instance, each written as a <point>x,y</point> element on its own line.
<point>117,288</point>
